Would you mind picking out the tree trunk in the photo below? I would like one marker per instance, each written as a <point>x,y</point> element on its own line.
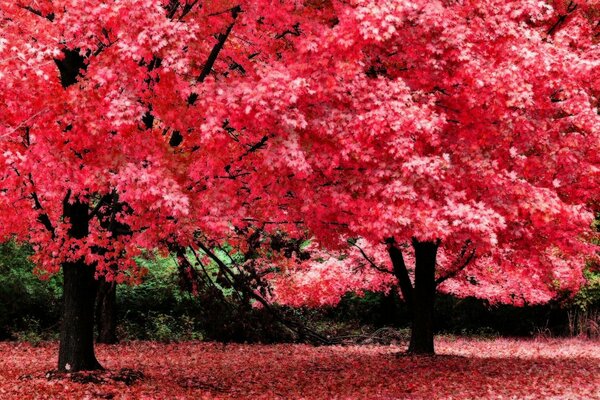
<point>106,321</point>
<point>421,340</point>
<point>76,349</point>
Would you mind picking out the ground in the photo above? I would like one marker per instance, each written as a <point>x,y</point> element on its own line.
<point>464,369</point>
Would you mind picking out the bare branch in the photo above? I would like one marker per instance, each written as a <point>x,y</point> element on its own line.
<point>23,123</point>
<point>294,32</point>
<point>369,260</point>
<point>562,18</point>
<point>206,274</point>
<point>239,285</point>
<point>256,146</point>
<point>104,200</point>
<point>172,8</point>
<point>186,9</point>
<point>212,57</point>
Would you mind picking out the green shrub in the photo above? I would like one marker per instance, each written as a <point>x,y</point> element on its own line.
<point>589,296</point>
<point>158,309</point>
<point>24,298</point>
<point>584,315</point>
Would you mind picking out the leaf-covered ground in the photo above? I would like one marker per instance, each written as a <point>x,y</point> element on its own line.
<point>465,369</point>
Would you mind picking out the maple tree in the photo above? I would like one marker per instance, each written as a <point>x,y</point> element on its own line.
<point>114,133</point>
<point>455,128</point>
<point>461,138</point>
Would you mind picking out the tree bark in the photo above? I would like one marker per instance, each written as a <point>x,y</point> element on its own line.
<point>106,320</point>
<point>76,349</point>
<point>421,339</point>
<point>401,274</point>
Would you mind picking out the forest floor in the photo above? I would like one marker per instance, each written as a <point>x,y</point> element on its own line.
<point>464,369</point>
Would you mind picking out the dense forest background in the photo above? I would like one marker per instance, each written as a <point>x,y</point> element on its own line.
<point>163,308</point>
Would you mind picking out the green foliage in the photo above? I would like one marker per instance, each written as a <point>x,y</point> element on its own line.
<point>27,304</point>
<point>31,331</point>
<point>166,328</point>
<point>584,316</point>
<point>589,296</point>
<point>158,309</point>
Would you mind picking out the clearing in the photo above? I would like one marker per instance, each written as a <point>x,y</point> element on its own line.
<point>464,369</point>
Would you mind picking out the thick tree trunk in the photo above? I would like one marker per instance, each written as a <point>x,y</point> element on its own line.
<point>106,320</point>
<point>421,340</point>
<point>76,350</point>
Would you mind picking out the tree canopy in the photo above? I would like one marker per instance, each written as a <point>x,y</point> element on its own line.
<point>465,130</point>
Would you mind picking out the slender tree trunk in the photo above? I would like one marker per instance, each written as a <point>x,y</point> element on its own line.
<point>106,320</point>
<point>401,274</point>
<point>76,349</point>
<point>421,340</point>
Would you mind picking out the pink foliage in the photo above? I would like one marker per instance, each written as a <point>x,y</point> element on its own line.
<point>108,133</point>
<point>326,277</point>
<point>465,369</point>
<point>463,122</point>
<point>434,120</point>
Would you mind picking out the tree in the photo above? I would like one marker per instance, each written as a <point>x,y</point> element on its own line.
<point>464,135</point>
<point>118,111</point>
<point>427,124</point>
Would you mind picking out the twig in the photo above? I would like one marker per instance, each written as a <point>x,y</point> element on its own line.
<point>462,266</point>
<point>366,257</point>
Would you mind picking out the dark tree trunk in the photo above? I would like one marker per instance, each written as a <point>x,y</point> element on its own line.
<point>421,339</point>
<point>106,320</point>
<point>76,350</point>
<point>401,273</point>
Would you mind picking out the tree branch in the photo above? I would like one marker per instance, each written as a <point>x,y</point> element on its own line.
<point>212,57</point>
<point>172,8</point>
<point>562,18</point>
<point>369,260</point>
<point>49,17</point>
<point>461,266</point>
<point>295,326</point>
<point>186,9</point>
<point>401,272</point>
<point>294,32</point>
<point>256,146</point>
<point>222,38</point>
<point>43,217</point>
<point>105,199</point>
